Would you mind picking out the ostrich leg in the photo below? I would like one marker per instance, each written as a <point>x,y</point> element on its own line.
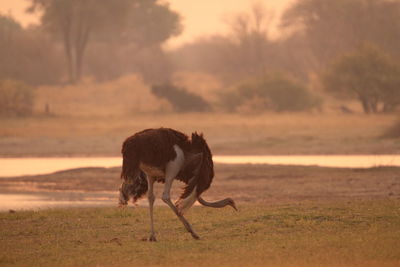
<point>171,171</point>
<point>166,198</point>
<point>151,199</point>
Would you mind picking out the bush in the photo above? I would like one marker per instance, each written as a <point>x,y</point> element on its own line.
<point>16,98</point>
<point>393,131</point>
<point>180,99</point>
<point>272,92</point>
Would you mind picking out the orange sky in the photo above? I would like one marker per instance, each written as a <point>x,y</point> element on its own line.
<point>209,16</point>
<point>200,17</point>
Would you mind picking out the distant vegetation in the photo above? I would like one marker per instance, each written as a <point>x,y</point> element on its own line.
<point>27,55</point>
<point>309,49</point>
<point>367,75</point>
<point>16,98</point>
<point>393,131</point>
<point>180,99</point>
<point>273,92</point>
<point>125,22</point>
<point>80,41</point>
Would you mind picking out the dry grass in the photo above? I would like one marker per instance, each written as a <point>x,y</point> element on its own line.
<point>126,95</point>
<point>332,234</point>
<point>266,133</point>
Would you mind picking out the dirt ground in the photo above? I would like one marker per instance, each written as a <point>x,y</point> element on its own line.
<point>263,184</point>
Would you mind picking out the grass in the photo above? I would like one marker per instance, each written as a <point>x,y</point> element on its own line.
<point>357,233</point>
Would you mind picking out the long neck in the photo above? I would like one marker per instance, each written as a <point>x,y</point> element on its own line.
<point>218,204</point>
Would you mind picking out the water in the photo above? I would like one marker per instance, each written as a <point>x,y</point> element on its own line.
<point>46,200</point>
<point>34,166</point>
<point>40,200</point>
<point>340,161</point>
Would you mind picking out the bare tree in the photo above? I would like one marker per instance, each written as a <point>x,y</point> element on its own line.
<point>335,27</point>
<point>74,21</point>
<point>250,33</point>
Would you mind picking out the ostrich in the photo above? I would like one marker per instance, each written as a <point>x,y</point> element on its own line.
<point>162,155</point>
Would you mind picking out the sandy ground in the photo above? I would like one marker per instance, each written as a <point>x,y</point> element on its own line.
<point>264,184</point>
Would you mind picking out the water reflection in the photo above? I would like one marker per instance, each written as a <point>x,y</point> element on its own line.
<point>340,161</point>
<point>46,200</point>
<point>34,166</point>
<point>29,201</point>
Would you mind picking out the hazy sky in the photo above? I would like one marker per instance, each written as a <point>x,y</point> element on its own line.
<point>209,16</point>
<point>200,17</point>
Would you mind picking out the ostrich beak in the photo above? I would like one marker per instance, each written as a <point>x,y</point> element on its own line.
<point>233,205</point>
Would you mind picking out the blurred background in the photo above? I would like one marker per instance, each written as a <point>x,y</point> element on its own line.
<point>282,82</point>
<point>103,69</point>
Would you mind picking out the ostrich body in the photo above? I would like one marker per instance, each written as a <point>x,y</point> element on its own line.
<point>163,155</point>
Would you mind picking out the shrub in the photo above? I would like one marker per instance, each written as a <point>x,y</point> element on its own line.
<point>16,98</point>
<point>393,131</point>
<point>274,92</point>
<point>180,99</point>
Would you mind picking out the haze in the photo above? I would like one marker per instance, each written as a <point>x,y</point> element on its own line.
<point>199,18</point>
<point>272,86</point>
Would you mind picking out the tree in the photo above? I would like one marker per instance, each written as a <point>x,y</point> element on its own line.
<point>368,75</point>
<point>150,23</point>
<point>8,29</point>
<point>26,54</point>
<point>76,22</point>
<point>245,51</point>
<point>250,37</point>
<point>335,27</point>
<point>137,47</point>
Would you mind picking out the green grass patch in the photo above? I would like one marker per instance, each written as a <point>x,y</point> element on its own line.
<point>346,233</point>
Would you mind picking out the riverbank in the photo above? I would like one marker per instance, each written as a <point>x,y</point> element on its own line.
<point>246,183</point>
<point>288,216</point>
<point>227,134</point>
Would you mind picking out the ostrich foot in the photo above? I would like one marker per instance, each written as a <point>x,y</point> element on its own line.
<point>195,236</point>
